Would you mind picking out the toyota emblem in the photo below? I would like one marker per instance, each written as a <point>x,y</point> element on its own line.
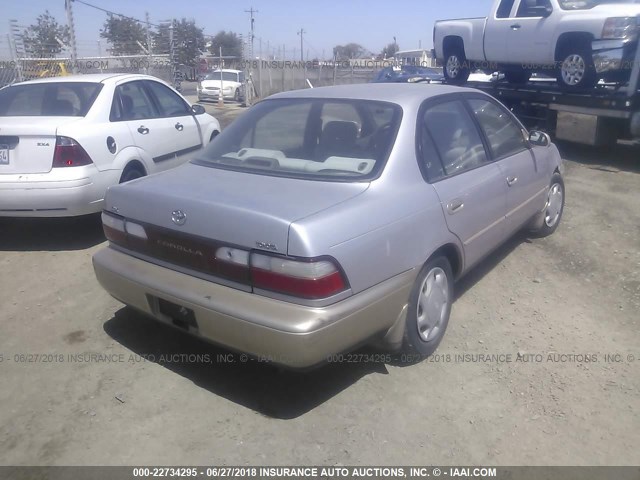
<point>178,217</point>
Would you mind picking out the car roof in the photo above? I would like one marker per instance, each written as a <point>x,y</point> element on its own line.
<point>400,93</point>
<point>228,70</point>
<point>90,77</point>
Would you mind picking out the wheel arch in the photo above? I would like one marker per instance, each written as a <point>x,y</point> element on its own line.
<point>569,39</point>
<point>452,42</point>
<point>135,163</point>
<point>453,254</point>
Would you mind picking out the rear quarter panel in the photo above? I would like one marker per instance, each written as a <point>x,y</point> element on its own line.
<point>392,227</point>
<point>470,30</point>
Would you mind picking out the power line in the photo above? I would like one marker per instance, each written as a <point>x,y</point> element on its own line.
<point>109,12</point>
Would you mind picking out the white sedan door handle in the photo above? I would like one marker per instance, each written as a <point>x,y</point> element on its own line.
<point>455,207</point>
<point>512,181</point>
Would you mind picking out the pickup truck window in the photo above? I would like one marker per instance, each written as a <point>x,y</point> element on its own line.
<point>503,134</point>
<point>527,7</point>
<point>504,10</point>
<point>456,137</point>
<point>586,4</point>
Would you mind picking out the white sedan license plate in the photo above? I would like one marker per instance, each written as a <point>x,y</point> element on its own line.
<point>4,154</point>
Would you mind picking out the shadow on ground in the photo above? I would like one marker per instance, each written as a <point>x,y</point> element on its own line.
<point>620,157</point>
<point>256,385</point>
<point>259,386</point>
<point>50,234</point>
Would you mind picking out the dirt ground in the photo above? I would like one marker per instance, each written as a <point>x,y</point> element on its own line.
<point>112,387</point>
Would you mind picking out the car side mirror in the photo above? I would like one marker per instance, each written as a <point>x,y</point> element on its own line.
<point>198,109</point>
<point>539,139</point>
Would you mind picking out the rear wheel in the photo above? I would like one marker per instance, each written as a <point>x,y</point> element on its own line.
<point>131,173</point>
<point>576,70</point>
<point>429,307</point>
<point>456,68</point>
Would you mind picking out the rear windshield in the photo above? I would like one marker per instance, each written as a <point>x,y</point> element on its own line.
<point>61,99</point>
<point>344,140</point>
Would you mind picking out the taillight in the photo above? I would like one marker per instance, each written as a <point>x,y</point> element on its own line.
<point>308,278</point>
<point>121,231</point>
<point>69,153</point>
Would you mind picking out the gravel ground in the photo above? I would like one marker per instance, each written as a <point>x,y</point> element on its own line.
<point>537,320</point>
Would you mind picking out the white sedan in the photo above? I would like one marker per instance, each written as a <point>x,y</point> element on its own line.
<point>232,82</point>
<point>65,140</point>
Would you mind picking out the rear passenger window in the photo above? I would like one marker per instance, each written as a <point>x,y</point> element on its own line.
<point>504,10</point>
<point>504,135</point>
<point>431,165</point>
<point>455,136</point>
<point>136,104</point>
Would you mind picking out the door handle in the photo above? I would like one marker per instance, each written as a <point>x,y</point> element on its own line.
<point>512,181</point>
<point>179,126</point>
<point>455,206</point>
<point>516,26</point>
<point>143,130</point>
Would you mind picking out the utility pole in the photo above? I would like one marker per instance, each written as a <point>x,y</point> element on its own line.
<point>301,33</point>
<point>253,21</point>
<point>72,36</point>
<point>16,45</point>
<point>172,55</point>
<point>146,17</point>
<point>221,93</point>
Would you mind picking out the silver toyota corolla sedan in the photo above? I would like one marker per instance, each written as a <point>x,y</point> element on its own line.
<point>328,218</point>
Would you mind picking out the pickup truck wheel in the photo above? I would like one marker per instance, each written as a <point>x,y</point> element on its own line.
<point>456,69</point>
<point>576,69</point>
<point>429,308</point>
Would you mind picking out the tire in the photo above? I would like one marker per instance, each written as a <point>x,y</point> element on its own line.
<point>236,96</point>
<point>213,135</point>
<point>554,207</point>
<point>456,68</point>
<point>517,77</point>
<point>576,70</point>
<point>429,308</point>
<point>131,173</point>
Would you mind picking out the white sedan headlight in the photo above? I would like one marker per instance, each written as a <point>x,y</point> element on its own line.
<point>620,28</point>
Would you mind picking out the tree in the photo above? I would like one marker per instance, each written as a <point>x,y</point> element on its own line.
<point>390,50</point>
<point>229,41</point>
<point>348,51</point>
<point>188,41</point>
<point>46,38</point>
<point>126,35</point>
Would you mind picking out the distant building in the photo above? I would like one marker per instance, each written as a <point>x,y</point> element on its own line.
<point>420,57</point>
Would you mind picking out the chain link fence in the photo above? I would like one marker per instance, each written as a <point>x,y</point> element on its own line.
<point>12,71</point>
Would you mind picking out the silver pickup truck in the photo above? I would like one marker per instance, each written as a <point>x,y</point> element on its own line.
<point>578,41</point>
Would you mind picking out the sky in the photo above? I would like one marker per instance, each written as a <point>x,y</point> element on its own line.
<point>327,23</point>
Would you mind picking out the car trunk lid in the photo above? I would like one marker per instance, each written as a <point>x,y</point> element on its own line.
<point>27,144</point>
<point>247,210</point>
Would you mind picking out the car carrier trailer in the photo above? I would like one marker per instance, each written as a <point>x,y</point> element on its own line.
<point>601,115</point>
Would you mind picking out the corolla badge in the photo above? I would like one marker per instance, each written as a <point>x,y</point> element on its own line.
<point>178,217</point>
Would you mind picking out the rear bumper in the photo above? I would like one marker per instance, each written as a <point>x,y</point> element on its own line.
<point>59,193</point>
<point>292,335</point>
